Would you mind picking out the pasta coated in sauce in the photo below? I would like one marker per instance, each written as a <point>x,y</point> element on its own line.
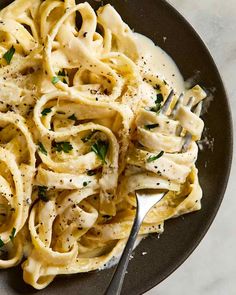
<point>80,131</point>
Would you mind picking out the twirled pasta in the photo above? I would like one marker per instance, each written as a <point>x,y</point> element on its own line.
<point>80,131</point>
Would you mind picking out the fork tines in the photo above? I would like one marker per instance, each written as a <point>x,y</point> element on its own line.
<point>197,110</point>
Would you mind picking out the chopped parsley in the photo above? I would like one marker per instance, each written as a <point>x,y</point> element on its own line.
<point>154,158</point>
<point>72,117</point>
<point>42,149</point>
<point>100,148</point>
<point>85,183</point>
<point>156,108</point>
<point>13,233</point>
<point>55,80</point>
<point>151,126</point>
<point>63,146</point>
<point>9,55</point>
<point>159,98</point>
<point>42,193</point>
<point>46,111</point>
<point>158,101</point>
<point>1,243</point>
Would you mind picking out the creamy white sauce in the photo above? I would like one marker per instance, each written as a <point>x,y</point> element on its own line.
<point>160,63</point>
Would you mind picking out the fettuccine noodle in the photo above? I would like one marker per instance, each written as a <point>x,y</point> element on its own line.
<point>80,131</point>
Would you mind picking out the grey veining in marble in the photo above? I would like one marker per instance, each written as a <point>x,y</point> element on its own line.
<point>211,269</point>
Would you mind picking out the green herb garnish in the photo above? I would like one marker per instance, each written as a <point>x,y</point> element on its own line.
<point>72,117</point>
<point>85,183</point>
<point>9,55</point>
<point>154,158</point>
<point>55,80</point>
<point>42,193</point>
<point>156,109</point>
<point>158,101</point>
<point>46,111</point>
<point>63,146</point>
<point>151,126</point>
<point>12,235</point>
<point>100,148</point>
<point>1,243</point>
<point>42,149</point>
<point>159,98</point>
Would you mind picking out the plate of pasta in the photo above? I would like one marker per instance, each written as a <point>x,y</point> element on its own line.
<point>82,87</point>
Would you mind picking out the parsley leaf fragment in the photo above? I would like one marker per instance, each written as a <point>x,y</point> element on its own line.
<point>151,126</point>
<point>156,109</point>
<point>13,233</point>
<point>9,55</point>
<point>154,158</point>
<point>63,146</point>
<point>100,148</point>
<point>42,193</point>
<point>159,98</point>
<point>46,111</point>
<point>158,101</point>
<point>55,80</point>
<point>42,149</point>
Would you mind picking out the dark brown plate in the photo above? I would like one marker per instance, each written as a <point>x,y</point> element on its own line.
<point>156,19</point>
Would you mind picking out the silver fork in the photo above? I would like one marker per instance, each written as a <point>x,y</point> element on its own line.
<point>145,199</point>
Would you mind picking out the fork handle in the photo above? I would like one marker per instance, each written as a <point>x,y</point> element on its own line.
<point>116,283</point>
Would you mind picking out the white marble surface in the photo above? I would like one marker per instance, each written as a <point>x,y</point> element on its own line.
<point>211,269</point>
